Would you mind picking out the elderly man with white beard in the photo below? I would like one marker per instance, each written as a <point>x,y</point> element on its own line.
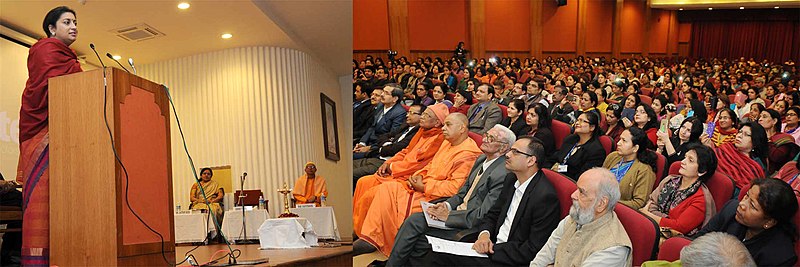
<point>592,234</point>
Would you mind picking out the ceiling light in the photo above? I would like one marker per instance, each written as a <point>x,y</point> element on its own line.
<point>117,57</point>
<point>226,36</point>
<point>183,5</point>
<point>777,7</point>
<point>710,8</point>
<point>680,8</point>
<point>741,7</point>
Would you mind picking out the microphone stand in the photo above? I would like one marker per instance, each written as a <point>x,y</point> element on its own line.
<point>244,219</point>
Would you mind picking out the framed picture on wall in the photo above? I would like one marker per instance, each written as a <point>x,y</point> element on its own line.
<point>329,128</point>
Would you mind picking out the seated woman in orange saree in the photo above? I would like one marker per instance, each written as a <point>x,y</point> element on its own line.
<point>49,57</point>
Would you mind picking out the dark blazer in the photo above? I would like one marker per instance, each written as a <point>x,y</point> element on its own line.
<point>590,155</point>
<point>772,247</point>
<point>363,117</point>
<point>519,127</point>
<point>536,218</point>
<point>391,120</point>
<point>484,119</point>
<point>548,141</point>
<point>483,196</point>
<point>396,144</point>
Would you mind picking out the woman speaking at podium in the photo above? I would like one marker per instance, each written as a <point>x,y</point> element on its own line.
<point>49,57</point>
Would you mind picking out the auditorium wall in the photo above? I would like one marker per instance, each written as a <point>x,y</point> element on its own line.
<point>508,28</point>
<point>258,110</point>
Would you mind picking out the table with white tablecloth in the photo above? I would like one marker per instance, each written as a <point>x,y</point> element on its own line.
<point>286,233</point>
<point>232,224</point>
<point>193,227</point>
<point>323,219</point>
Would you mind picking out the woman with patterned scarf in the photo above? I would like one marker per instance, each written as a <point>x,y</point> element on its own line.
<point>682,203</point>
<point>744,159</point>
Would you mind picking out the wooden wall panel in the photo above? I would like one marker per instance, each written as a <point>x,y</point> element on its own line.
<point>560,26</point>
<point>370,25</point>
<point>659,31</point>
<point>632,26</point>
<point>599,19</point>
<point>436,25</point>
<point>508,25</point>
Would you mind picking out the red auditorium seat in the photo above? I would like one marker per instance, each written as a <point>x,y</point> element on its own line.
<point>560,131</point>
<point>671,248</point>
<point>504,109</point>
<point>564,188</point>
<point>673,169</point>
<point>642,231</point>
<point>646,99</point>
<point>406,107</point>
<point>661,163</point>
<point>476,137</point>
<point>607,143</point>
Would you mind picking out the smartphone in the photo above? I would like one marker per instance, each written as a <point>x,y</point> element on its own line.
<point>628,113</point>
<point>713,102</point>
<point>710,128</point>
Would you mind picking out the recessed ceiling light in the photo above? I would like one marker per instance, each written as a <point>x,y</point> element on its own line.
<point>117,57</point>
<point>680,8</point>
<point>710,8</point>
<point>741,7</point>
<point>183,5</point>
<point>226,36</point>
<point>777,7</point>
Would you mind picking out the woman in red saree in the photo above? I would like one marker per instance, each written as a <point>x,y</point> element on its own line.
<point>49,57</point>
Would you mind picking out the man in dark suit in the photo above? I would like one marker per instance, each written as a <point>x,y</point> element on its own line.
<point>387,145</point>
<point>363,110</point>
<point>463,210</point>
<point>519,223</point>
<point>484,114</point>
<point>389,115</point>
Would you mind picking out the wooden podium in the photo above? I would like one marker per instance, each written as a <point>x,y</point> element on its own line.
<point>90,223</point>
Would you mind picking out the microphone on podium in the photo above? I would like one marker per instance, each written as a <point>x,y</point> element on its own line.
<point>115,60</point>
<point>130,62</point>
<point>98,55</point>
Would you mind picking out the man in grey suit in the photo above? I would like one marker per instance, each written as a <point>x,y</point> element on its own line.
<point>484,114</point>
<point>466,208</point>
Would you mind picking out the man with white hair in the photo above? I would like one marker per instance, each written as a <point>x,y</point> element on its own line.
<point>592,234</point>
<point>716,249</point>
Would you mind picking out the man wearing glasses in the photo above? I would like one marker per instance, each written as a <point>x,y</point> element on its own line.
<point>519,223</point>
<point>463,210</point>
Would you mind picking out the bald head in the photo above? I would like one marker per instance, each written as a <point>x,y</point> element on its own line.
<point>455,128</point>
<point>597,194</point>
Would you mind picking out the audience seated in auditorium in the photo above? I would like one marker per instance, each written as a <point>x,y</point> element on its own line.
<point>388,115</point>
<point>646,120</point>
<point>633,166</point>
<point>782,147</point>
<point>726,127</point>
<point>745,159</point>
<point>393,201</point>
<point>614,125</point>
<point>538,125</point>
<point>674,149</point>
<point>464,209</point>
<point>401,166</point>
<point>792,123</point>
<point>363,110</point>
<point>592,234</point>
<point>440,93</point>
<point>309,187</point>
<point>387,145</point>
<point>536,94</point>
<point>484,114</point>
<point>582,150</point>
<point>682,203</point>
<point>462,101</point>
<point>515,120</point>
<point>210,191</point>
<point>763,221</point>
<point>423,95</point>
<point>518,224</point>
<point>560,107</point>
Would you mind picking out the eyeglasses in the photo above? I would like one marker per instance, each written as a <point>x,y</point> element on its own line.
<point>490,138</point>
<point>791,114</point>
<point>516,151</point>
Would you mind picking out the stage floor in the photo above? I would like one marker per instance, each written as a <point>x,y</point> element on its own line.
<point>338,256</point>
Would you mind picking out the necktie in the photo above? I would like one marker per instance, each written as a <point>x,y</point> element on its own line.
<point>478,109</point>
<point>463,206</point>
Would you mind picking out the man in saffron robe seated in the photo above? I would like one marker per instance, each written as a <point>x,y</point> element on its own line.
<point>309,187</point>
<point>416,155</point>
<point>441,178</point>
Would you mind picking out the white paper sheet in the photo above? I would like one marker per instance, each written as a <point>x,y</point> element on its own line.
<point>431,221</point>
<point>453,247</point>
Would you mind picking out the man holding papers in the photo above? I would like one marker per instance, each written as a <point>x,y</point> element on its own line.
<point>521,220</point>
<point>463,210</point>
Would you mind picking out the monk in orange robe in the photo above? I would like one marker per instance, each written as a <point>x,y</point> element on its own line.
<point>309,187</point>
<point>414,157</point>
<point>441,178</point>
